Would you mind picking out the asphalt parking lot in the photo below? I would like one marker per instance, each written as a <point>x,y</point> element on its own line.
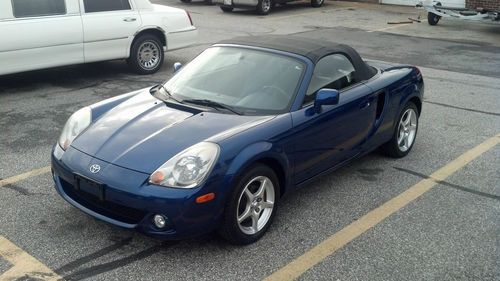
<point>432,215</point>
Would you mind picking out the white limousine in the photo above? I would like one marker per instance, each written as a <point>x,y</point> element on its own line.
<point>37,34</point>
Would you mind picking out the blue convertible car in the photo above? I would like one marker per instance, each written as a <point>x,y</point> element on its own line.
<point>218,145</point>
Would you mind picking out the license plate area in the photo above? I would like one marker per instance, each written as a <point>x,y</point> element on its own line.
<point>89,186</point>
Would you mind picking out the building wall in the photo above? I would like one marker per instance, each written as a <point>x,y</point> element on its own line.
<point>486,4</point>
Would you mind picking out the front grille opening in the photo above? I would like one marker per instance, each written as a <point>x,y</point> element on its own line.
<point>109,209</point>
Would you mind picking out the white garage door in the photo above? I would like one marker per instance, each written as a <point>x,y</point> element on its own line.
<point>447,3</point>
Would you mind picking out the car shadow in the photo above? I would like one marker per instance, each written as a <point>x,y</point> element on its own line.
<point>65,76</point>
<point>76,77</point>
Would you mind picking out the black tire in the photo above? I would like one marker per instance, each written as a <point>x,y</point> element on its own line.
<point>392,147</point>
<point>134,59</point>
<point>226,9</point>
<point>230,228</point>
<point>186,1</point>
<point>264,7</point>
<point>209,2</point>
<point>432,18</point>
<point>317,3</point>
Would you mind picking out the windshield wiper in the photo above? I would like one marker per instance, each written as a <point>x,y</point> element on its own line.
<point>170,96</point>
<point>212,104</point>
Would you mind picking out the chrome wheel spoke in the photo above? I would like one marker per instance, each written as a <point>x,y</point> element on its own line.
<point>267,205</point>
<point>401,136</point>
<point>262,188</point>
<point>245,215</point>
<point>408,118</point>
<point>249,194</point>
<point>255,222</point>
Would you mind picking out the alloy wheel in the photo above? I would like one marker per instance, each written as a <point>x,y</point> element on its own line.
<point>407,129</point>
<point>148,55</point>
<point>255,205</point>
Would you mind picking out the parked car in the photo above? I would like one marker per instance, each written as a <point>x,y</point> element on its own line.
<point>208,2</point>
<point>217,145</point>
<point>262,7</point>
<point>39,34</point>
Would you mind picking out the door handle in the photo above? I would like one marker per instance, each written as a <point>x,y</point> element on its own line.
<point>364,105</point>
<point>129,19</point>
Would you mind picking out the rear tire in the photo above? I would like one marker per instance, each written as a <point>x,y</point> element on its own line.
<point>264,7</point>
<point>226,9</point>
<point>251,207</point>
<point>405,133</point>
<point>146,54</point>
<point>317,3</point>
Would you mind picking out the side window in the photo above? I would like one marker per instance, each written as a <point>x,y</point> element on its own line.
<point>37,8</point>
<point>333,72</point>
<point>92,6</point>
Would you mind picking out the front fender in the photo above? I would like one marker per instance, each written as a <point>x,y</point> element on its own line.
<point>260,151</point>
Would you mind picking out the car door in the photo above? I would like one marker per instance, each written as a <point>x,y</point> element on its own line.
<point>40,34</point>
<point>323,140</point>
<point>108,26</point>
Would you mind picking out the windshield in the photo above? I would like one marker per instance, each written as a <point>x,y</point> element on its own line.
<point>248,81</point>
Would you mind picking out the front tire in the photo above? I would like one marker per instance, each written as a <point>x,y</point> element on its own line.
<point>264,7</point>
<point>251,207</point>
<point>317,3</point>
<point>405,133</point>
<point>146,54</point>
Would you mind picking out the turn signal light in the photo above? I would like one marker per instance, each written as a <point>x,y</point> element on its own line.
<point>205,198</point>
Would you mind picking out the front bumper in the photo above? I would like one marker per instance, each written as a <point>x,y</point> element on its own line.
<point>131,202</point>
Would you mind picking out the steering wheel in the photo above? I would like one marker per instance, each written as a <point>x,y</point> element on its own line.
<point>273,90</point>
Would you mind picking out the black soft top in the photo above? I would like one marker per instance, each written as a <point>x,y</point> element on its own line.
<point>313,49</point>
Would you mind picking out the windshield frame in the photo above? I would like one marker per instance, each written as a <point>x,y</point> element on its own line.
<point>252,111</point>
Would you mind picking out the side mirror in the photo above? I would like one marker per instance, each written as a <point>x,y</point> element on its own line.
<point>325,97</point>
<point>177,66</point>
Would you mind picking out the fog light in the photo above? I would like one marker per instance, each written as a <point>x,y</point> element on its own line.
<point>160,221</point>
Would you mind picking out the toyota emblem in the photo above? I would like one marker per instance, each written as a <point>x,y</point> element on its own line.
<point>94,169</point>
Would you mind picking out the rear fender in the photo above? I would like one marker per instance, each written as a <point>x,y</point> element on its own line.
<point>400,83</point>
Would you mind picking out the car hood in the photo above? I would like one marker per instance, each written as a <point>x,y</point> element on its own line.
<point>144,132</point>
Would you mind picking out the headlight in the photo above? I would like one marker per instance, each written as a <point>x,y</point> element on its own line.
<point>78,122</point>
<point>188,168</point>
